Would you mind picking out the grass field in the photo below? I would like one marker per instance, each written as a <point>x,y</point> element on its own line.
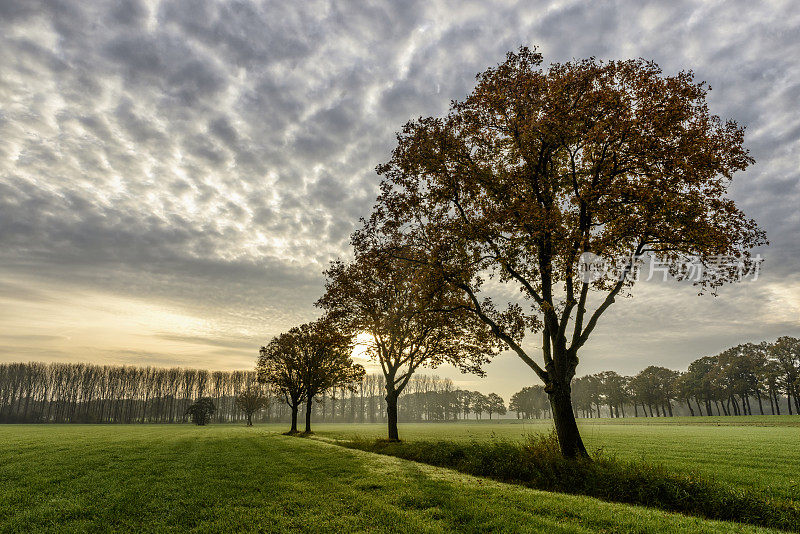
<point>759,452</point>
<point>222,478</point>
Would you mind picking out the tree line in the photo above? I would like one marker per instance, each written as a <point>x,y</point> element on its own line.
<point>85,393</point>
<point>89,393</point>
<point>747,379</point>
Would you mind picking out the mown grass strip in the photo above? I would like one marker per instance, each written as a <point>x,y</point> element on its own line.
<point>537,463</point>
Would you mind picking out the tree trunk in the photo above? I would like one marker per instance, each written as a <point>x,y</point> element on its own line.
<point>391,414</point>
<point>689,404</point>
<point>789,393</point>
<point>760,406</point>
<point>294,417</point>
<point>569,438</point>
<point>308,416</point>
<point>249,419</point>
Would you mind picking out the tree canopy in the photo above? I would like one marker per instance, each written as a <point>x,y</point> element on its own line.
<point>537,167</point>
<point>399,306</point>
<point>307,360</point>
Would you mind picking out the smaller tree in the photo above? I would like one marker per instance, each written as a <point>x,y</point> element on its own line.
<point>250,401</point>
<point>201,411</point>
<point>327,364</point>
<point>280,364</point>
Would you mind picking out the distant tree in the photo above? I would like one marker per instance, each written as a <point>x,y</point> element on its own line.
<point>280,364</point>
<point>201,410</point>
<point>736,370</point>
<point>250,401</point>
<point>614,390</point>
<point>325,354</point>
<point>655,387</point>
<point>495,404</point>
<point>480,404</point>
<point>769,375</point>
<point>398,307</point>
<point>686,388</point>
<point>786,352</point>
<point>523,403</point>
<point>467,402</point>
<point>537,167</point>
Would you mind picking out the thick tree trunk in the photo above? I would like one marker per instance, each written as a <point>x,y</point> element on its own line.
<point>689,404</point>
<point>569,438</point>
<point>294,418</point>
<point>391,414</point>
<point>249,419</point>
<point>308,416</point>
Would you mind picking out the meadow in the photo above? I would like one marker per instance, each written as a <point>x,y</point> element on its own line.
<point>79,478</point>
<point>758,452</point>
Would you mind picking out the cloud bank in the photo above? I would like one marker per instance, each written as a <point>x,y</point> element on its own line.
<point>210,158</point>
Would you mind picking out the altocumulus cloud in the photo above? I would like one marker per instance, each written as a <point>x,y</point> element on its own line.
<point>212,157</point>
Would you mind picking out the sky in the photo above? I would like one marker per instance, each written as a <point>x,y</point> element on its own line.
<point>175,175</point>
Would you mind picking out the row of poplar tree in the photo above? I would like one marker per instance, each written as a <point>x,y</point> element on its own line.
<point>86,393</point>
<point>747,379</point>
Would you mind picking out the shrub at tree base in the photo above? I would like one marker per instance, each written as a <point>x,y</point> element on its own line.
<point>538,463</point>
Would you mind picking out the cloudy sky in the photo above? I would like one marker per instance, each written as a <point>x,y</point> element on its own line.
<point>175,175</point>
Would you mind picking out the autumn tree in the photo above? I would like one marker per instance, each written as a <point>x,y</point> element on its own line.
<point>398,309</point>
<point>325,353</point>
<point>250,401</point>
<point>536,168</point>
<point>280,365</point>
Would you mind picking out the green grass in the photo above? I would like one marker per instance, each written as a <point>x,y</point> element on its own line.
<point>225,478</point>
<point>538,463</point>
<point>759,453</point>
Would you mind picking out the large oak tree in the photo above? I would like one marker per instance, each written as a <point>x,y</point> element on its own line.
<point>537,167</point>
